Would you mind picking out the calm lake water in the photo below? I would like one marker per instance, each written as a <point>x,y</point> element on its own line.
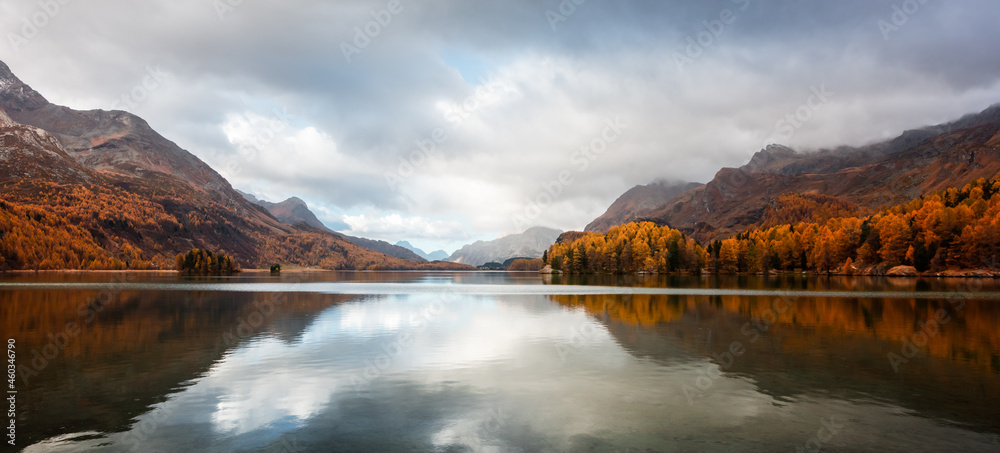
<point>502,362</point>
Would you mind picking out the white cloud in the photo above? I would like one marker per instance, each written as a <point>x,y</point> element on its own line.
<point>389,226</point>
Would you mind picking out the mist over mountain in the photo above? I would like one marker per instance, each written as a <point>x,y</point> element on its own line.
<point>530,244</point>
<point>639,201</point>
<point>886,173</point>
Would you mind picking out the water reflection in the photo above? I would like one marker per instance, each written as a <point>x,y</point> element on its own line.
<point>217,371</point>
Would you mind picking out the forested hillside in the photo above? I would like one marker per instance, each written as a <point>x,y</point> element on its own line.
<point>955,229</point>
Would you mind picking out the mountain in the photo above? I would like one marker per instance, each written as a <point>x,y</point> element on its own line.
<point>295,211</point>
<point>637,202</point>
<point>883,174</point>
<point>290,211</point>
<point>102,190</point>
<point>532,243</point>
<point>386,248</point>
<point>111,141</point>
<point>437,255</point>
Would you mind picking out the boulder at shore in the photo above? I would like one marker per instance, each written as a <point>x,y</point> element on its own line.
<point>548,270</point>
<point>902,271</point>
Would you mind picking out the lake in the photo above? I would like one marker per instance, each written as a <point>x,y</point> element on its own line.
<point>501,362</point>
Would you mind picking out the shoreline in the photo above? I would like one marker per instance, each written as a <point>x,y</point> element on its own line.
<point>953,273</point>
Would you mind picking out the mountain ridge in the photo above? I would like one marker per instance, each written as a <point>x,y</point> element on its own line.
<point>295,211</point>
<point>437,255</point>
<point>881,174</point>
<point>532,243</point>
<point>103,190</point>
<point>639,201</point>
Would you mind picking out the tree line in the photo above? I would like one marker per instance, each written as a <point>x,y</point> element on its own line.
<point>204,262</point>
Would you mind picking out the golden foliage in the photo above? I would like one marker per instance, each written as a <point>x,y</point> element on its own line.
<point>526,265</point>
<point>953,229</point>
<point>632,247</point>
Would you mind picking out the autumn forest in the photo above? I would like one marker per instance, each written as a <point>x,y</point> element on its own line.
<point>954,229</point>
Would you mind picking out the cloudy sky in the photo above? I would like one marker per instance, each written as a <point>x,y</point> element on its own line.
<point>443,121</point>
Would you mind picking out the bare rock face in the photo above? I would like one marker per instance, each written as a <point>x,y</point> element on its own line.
<point>875,176</point>
<point>902,271</point>
<point>548,270</point>
<point>30,152</point>
<point>112,141</point>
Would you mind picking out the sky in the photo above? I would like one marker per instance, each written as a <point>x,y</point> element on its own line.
<point>443,122</point>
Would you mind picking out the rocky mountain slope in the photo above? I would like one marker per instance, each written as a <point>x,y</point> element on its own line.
<point>638,202</point>
<point>102,190</point>
<point>112,141</point>
<point>883,174</point>
<point>291,211</point>
<point>530,244</point>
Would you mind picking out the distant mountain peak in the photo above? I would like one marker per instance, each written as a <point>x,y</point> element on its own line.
<point>532,243</point>
<point>770,157</point>
<point>291,211</point>
<point>437,255</point>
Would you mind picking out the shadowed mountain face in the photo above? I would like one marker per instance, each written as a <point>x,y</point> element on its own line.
<point>875,176</point>
<point>437,255</point>
<point>639,201</point>
<point>530,244</point>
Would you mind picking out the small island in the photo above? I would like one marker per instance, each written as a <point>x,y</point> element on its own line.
<point>204,262</point>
